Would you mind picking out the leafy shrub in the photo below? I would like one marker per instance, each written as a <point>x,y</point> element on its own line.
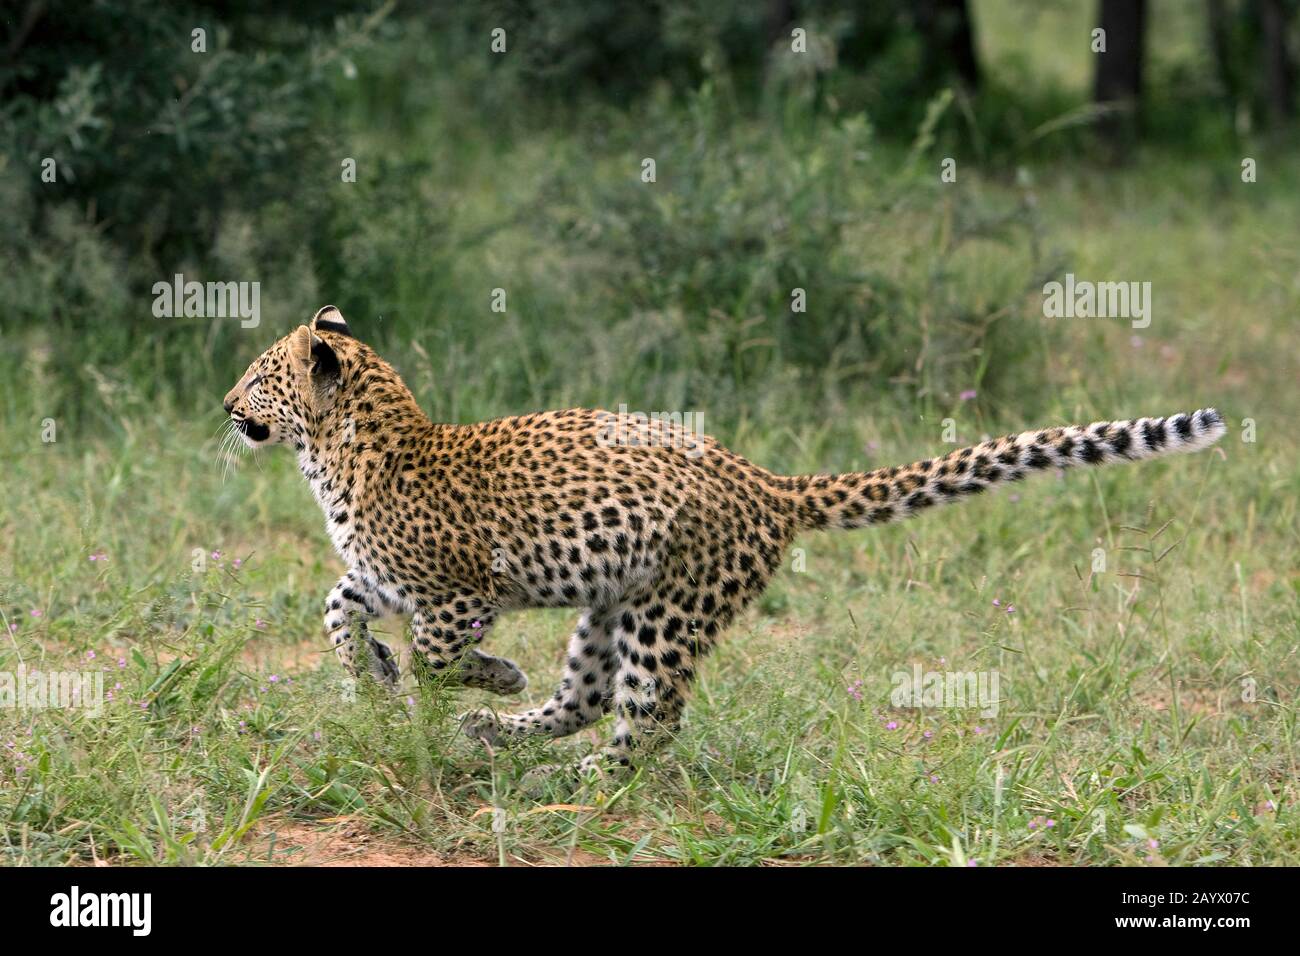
<point>154,143</point>
<point>679,291</point>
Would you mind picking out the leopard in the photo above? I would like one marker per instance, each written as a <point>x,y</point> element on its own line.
<point>656,536</point>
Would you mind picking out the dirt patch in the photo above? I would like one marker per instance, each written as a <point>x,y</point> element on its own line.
<point>271,655</point>
<point>1034,860</point>
<point>1194,700</point>
<point>348,842</point>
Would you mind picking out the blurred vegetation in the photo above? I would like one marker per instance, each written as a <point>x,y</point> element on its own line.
<point>520,170</point>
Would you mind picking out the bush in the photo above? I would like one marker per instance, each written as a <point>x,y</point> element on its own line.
<point>153,142</point>
<point>681,291</point>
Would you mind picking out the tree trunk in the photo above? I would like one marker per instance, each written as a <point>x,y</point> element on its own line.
<point>1118,80</point>
<point>1221,47</point>
<point>780,13</point>
<point>949,40</point>
<point>1278,71</point>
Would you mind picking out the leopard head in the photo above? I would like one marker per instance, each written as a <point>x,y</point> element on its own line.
<point>291,387</point>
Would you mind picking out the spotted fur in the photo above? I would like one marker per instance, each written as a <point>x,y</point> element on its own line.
<point>659,539</point>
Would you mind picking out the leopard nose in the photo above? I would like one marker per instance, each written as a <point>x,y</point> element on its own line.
<point>227,405</point>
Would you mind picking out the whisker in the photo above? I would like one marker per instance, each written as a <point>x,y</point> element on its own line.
<point>218,434</point>
<point>220,444</point>
<point>221,454</point>
<point>229,445</point>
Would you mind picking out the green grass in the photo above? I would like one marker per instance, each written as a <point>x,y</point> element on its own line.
<point>1123,691</point>
<point>1123,718</point>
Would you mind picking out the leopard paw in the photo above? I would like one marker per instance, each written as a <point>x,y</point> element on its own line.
<point>481,725</point>
<point>495,674</point>
<point>384,664</point>
<point>603,763</point>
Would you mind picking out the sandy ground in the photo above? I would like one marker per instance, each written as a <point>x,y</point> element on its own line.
<point>346,842</point>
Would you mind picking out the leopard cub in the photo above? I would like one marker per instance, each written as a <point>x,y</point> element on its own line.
<point>659,538</point>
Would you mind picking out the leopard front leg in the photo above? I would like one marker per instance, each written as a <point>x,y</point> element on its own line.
<point>444,635</point>
<point>347,610</point>
<point>582,697</point>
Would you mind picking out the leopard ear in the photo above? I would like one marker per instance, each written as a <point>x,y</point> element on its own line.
<point>325,365</point>
<point>314,355</point>
<point>300,343</point>
<point>330,319</point>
